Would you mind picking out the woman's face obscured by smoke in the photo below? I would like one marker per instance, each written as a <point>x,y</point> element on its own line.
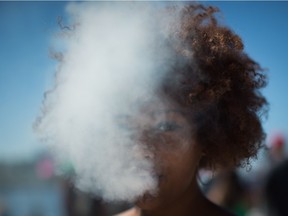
<point>166,138</point>
<point>104,114</point>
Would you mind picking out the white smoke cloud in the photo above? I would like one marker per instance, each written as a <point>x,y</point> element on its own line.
<point>114,59</point>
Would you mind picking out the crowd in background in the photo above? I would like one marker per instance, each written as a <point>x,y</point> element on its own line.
<point>260,191</point>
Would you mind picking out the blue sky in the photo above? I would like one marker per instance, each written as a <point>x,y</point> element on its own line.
<point>26,70</point>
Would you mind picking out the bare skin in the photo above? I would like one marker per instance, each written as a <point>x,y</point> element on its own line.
<point>186,207</point>
<point>168,136</point>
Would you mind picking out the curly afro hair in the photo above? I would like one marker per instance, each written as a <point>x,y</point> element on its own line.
<point>219,83</point>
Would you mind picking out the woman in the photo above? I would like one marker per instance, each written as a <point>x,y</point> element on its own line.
<point>211,118</point>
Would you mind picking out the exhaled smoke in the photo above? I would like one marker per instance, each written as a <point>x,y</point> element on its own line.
<point>114,60</point>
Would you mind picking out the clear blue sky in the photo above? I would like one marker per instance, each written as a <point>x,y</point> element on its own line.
<point>26,70</point>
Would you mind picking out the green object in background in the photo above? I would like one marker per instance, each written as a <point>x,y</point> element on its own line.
<point>67,168</point>
<point>239,209</point>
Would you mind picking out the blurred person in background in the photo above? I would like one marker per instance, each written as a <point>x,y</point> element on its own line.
<point>4,211</point>
<point>276,190</point>
<point>276,153</point>
<point>273,155</point>
<point>227,189</point>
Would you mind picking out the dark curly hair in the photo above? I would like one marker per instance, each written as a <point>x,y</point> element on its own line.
<point>219,83</point>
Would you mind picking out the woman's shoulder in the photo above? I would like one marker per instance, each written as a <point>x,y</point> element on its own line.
<point>225,212</point>
<point>217,210</point>
<point>129,212</point>
<point>212,209</point>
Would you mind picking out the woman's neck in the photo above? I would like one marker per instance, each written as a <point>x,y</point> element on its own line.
<point>192,202</point>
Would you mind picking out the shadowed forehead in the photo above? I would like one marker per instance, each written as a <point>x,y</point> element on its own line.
<point>155,113</point>
<point>154,109</point>
<point>168,111</point>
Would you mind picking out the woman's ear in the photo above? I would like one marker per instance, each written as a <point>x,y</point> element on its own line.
<point>203,162</point>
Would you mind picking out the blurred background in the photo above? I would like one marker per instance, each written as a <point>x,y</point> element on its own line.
<point>29,184</point>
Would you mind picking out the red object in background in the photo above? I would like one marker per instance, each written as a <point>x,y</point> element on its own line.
<point>277,148</point>
<point>278,141</point>
<point>45,168</point>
